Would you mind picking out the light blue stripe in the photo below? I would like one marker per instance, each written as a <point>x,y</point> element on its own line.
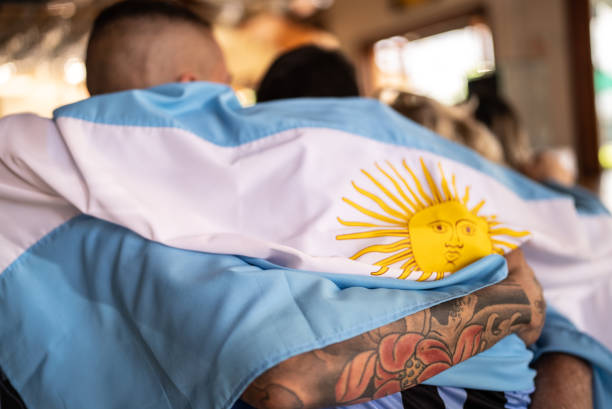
<point>508,356</point>
<point>212,112</point>
<point>453,398</point>
<point>94,316</point>
<point>584,201</point>
<point>518,399</point>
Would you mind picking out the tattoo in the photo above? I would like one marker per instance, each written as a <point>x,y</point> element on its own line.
<point>283,397</point>
<point>397,356</point>
<point>540,304</point>
<point>459,330</point>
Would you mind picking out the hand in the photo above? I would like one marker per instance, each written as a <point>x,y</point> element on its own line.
<point>520,273</point>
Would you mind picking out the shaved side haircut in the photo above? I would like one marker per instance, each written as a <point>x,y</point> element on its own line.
<point>138,44</point>
<point>145,9</point>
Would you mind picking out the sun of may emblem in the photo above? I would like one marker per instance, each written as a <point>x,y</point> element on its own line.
<point>437,233</point>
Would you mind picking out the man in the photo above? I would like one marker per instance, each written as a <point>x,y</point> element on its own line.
<point>281,385</point>
<point>136,45</point>
<point>94,315</point>
<point>140,44</point>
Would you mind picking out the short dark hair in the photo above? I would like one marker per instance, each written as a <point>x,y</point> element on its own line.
<point>309,71</point>
<point>145,8</point>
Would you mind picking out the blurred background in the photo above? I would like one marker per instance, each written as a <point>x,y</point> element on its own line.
<point>550,59</point>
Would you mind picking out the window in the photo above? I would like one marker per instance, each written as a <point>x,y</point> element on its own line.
<point>437,66</point>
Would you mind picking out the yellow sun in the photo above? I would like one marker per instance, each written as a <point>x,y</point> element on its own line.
<point>438,234</point>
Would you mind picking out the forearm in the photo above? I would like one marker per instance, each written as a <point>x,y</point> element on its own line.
<point>396,356</point>
<point>563,382</point>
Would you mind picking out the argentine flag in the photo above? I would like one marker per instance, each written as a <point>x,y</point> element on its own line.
<point>163,248</point>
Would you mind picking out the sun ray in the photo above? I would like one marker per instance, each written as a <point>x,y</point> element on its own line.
<point>391,211</point>
<point>508,232</point>
<point>425,276</point>
<point>437,197</point>
<point>359,224</point>
<point>374,214</point>
<point>499,250</point>
<point>417,182</point>
<point>406,272</point>
<point>382,248</point>
<point>455,189</point>
<point>478,207</point>
<point>401,256</point>
<point>400,191</point>
<point>444,184</point>
<point>439,276</point>
<point>410,264</point>
<point>380,271</point>
<point>387,192</point>
<point>391,195</point>
<point>466,197</point>
<point>417,204</point>
<point>373,234</point>
<point>504,243</point>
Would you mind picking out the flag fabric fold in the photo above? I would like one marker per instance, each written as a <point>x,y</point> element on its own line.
<point>96,316</point>
<point>151,233</point>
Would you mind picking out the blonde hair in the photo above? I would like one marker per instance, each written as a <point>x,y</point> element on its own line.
<point>454,123</point>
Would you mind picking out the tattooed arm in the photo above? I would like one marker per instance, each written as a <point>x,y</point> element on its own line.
<point>406,352</point>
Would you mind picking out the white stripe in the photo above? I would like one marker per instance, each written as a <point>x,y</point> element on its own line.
<point>29,208</point>
<point>279,196</point>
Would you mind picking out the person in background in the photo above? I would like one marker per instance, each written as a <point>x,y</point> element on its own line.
<point>498,115</point>
<point>457,123</point>
<point>454,123</point>
<point>140,44</point>
<point>308,71</point>
<point>490,127</point>
<point>313,72</point>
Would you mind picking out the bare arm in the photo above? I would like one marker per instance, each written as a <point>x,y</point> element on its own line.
<point>406,352</point>
<point>563,382</point>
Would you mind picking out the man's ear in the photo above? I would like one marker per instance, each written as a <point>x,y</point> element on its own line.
<point>187,77</point>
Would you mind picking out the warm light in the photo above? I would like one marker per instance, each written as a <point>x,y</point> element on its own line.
<point>231,12</point>
<point>74,71</point>
<point>323,4</point>
<point>305,8</point>
<point>437,66</point>
<point>605,156</point>
<point>6,72</point>
<point>387,55</point>
<point>62,8</point>
<point>246,96</point>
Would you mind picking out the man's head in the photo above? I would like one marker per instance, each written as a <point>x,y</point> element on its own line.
<point>308,71</point>
<point>139,44</point>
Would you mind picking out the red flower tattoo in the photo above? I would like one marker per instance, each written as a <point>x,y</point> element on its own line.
<point>402,361</point>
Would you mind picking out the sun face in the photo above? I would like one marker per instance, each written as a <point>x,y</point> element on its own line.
<point>447,237</point>
<point>437,233</point>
